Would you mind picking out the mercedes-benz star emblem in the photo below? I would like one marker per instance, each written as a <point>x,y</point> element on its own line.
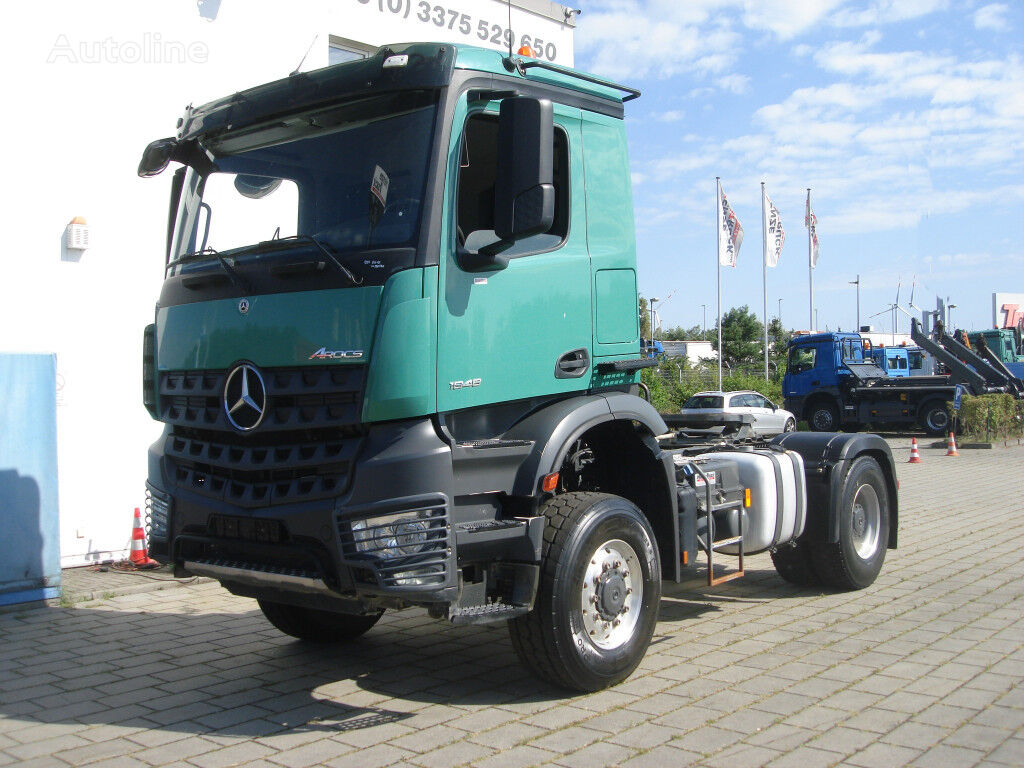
<point>243,306</point>
<point>245,398</point>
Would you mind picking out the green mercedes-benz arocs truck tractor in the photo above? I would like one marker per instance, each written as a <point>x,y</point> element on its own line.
<point>397,355</point>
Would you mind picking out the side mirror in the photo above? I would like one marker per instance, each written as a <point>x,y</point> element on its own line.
<point>524,192</point>
<point>255,187</point>
<point>156,157</point>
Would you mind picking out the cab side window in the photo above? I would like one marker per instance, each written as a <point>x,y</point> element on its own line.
<point>477,174</point>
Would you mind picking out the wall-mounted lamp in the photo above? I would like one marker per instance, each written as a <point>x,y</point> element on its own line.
<point>76,235</point>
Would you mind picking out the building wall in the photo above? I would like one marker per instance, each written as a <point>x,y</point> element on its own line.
<point>87,86</point>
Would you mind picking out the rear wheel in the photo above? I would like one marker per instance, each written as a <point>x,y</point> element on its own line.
<point>317,626</point>
<point>790,425</point>
<point>597,601</point>
<point>856,559</point>
<point>935,417</point>
<point>823,417</point>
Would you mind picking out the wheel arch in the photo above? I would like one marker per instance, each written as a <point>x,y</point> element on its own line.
<point>622,430</point>
<point>826,459</point>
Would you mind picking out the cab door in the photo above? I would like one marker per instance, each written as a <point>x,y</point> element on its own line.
<point>525,330</point>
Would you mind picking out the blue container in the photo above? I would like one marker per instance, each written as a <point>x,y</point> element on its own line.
<point>29,512</point>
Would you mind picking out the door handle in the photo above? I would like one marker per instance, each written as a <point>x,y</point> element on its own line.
<point>572,364</point>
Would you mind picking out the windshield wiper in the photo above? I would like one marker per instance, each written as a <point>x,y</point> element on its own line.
<point>231,272</point>
<point>324,249</point>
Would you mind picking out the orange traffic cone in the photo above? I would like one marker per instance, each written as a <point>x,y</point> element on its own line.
<point>915,455</point>
<point>951,443</point>
<point>139,556</point>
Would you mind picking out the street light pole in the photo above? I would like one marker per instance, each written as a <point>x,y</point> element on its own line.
<point>704,322</point>
<point>949,315</point>
<point>650,306</point>
<point>780,313</point>
<point>857,283</point>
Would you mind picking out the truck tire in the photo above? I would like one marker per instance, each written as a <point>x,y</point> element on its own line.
<point>598,597</point>
<point>823,416</point>
<point>317,626</point>
<point>793,563</point>
<point>855,560</point>
<point>935,417</point>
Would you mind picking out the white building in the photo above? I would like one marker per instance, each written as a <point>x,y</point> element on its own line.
<point>87,87</point>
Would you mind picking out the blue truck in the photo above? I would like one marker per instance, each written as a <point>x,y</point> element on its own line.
<point>895,361</point>
<point>833,382</point>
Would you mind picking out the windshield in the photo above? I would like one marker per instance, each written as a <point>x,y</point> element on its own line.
<point>350,176</point>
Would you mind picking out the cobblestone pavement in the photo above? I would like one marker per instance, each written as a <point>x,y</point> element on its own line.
<point>925,668</point>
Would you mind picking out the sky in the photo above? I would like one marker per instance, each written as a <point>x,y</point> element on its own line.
<point>904,117</point>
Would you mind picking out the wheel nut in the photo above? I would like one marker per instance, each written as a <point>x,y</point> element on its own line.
<point>618,563</point>
<point>629,590</point>
<point>616,623</point>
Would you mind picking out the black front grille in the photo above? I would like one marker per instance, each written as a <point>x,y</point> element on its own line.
<point>297,398</point>
<point>240,472</point>
<point>303,450</point>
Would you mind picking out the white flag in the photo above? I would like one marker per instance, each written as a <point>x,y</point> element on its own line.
<point>730,236</point>
<point>774,234</point>
<point>811,222</point>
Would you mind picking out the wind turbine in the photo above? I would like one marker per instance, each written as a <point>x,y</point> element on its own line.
<point>891,309</point>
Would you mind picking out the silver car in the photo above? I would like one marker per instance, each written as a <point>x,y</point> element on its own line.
<point>769,419</point>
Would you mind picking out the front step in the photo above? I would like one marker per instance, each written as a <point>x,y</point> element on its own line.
<point>485,614</point>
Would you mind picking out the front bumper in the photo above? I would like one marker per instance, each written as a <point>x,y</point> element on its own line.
<point>344,547</point>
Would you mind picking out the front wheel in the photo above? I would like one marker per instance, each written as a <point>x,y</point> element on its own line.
<point>824,417</point>
<point>317,626</point>
<point>597,601</point>
<point>790,425</point>
<point>856,559</point>
<point>935,418</point>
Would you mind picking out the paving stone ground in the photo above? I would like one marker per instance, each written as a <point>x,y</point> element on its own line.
<point>925,668</point>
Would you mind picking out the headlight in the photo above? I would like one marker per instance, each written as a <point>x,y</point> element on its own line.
<point>398,535</point>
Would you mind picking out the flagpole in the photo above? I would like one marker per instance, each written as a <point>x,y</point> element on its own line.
<point>764,279</point>
<point>718,268</point>
<point>810,262</point>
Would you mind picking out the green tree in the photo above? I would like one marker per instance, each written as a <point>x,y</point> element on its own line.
<point>645,318</point>
<point>742,337</point>
<point>778,339</point>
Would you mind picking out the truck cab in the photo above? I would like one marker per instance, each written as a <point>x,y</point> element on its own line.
<point>894,361</point>
<point>819,364</point>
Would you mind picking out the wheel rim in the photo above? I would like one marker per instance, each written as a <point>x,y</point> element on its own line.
<point>867,521</point>
<point>790,425</point>
<point>612,593</point>
<point>823,419</point>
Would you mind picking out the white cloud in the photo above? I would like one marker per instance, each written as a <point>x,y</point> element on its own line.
<point>882,12</point>
<point>669,116</point>
<point>738,84</point>
<point>992,17</point>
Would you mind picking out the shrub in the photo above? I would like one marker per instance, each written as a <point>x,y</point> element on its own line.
<point>991,417</point>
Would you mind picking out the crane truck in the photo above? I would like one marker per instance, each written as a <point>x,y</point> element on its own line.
<point>396,355</point>
<point>833,381</point>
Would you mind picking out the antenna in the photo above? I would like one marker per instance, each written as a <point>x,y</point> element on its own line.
<point>303,60</point>
<point>509,28</point>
